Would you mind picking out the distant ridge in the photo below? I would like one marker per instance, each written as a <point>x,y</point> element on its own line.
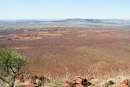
<point>85,23</point>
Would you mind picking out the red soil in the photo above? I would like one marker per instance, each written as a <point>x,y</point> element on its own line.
<point>61,50</point>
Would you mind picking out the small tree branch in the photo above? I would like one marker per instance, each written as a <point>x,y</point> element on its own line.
<point>4,80</point>
<point>12,70</point>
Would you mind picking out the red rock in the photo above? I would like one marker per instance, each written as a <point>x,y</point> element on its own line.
<point>126,81</point>
<point>110,83</point>
<point>29,86</point>
<point>100,80</point>
<point>41,77</point>
<point>89,79</point>
<point>86,83</point>
<point>33,79</point>
<point>77,80</point>
<point>120,85</point>
<point>68,84</point>
<point>79,85</point>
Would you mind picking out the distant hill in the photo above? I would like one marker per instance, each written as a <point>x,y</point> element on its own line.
<point>103,21</point>
<point>85,23</point>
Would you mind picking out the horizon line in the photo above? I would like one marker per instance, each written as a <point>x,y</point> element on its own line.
<point>53,19</point>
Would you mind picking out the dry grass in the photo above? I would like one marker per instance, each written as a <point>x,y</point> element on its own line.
<point>116,77</point>
<point>57,82</point>
<point>2,84</point>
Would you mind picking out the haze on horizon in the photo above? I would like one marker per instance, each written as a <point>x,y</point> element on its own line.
<point>64,9</point>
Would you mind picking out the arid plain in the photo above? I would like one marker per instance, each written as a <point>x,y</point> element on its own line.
<point>59,50</point>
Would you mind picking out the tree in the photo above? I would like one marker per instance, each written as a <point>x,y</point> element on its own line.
<point>11,62</point>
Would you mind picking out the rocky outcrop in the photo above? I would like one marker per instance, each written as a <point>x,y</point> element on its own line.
<point>124,83</point>
<point>78,82</point>
<point>28,80</point>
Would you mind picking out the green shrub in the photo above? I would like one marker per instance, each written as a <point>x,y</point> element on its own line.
<point>11,62</point>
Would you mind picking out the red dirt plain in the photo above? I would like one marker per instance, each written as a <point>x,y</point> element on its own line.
<point>60,50</point>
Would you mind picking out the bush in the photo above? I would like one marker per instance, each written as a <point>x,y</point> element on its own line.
<point>11,62</point>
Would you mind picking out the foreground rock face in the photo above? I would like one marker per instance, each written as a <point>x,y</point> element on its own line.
<point>110,83</point>
<point>27,80</point>
<point>84,82</point>
<point>124,83</point>
<point>29,86</point>
<point>78,82</point>
<point>120,85</point>
<point>68,84</point>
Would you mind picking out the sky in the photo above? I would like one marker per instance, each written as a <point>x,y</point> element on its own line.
<point>64,9</point>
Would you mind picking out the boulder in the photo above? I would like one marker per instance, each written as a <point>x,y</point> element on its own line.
<point>29,86</point>
<point>77,80</point>
<point>68,84</point>
<point>110,83</point>
<point>79,85</point>
<point>120,85</point>
<point>126,81</point>
<point>29,80</point>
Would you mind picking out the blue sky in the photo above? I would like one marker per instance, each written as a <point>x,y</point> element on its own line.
<point>63,9</point>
